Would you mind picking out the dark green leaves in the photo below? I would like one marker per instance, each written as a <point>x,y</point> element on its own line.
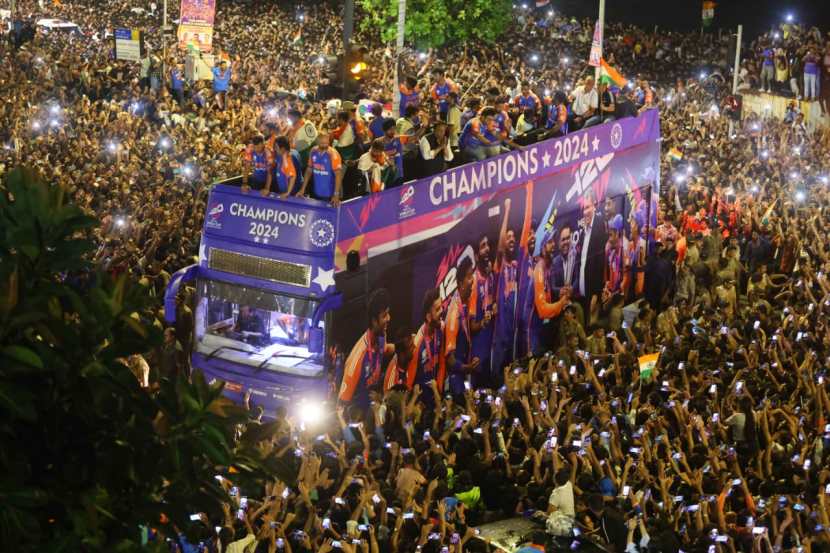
<point>87,457</point>
<point>432,23</point>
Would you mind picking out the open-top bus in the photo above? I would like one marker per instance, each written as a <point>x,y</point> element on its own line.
<point>278,306</point>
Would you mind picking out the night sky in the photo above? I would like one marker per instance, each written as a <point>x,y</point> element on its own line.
<point>755,15</point>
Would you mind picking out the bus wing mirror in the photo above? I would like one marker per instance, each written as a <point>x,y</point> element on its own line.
<point>315,340</point>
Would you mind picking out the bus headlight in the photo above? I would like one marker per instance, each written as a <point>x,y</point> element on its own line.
<point>310,412</point>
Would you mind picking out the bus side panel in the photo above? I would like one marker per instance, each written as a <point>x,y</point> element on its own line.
<point>621,192</point>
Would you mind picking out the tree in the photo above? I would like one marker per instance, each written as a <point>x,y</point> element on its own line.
<point>87,457</point>
<point>431,23</point>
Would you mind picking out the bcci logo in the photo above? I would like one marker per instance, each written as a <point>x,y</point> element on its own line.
<point>407,198</point>
<point>213,216</point>
<point>321,233</point>
<point>616,135</point>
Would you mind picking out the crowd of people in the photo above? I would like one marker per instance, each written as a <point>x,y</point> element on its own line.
<point>790,60</point>
<point>719,447</point>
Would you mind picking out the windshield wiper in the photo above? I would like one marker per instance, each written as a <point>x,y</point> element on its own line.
<point>277,354</point>
<point>220,348</point>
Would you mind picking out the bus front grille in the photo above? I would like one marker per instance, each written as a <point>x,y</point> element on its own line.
<point>260,267</point>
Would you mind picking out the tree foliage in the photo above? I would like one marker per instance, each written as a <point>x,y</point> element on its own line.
<point>431,23</point>
<point>86,455</point>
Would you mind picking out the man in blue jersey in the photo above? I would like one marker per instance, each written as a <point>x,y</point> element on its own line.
<point>177,83</point>
<point>324,172</point>
<point>558,115</point>
<point>286,168</point>
<point>524,298</point>
<point>221,83</point>
<point>376,126</point>
<point>410,93</point>
<point>457,333</point>
<point>767,68</point>
<point>473,107</point>
<point>479,139</point>
<point>427,362</point>
<point>440,91</point>
<point>393,148</point>
<point>482,312</point>
<point>509,262</point>
<point>257,172</point>
<point>503,122</point>
<point>527,99</point>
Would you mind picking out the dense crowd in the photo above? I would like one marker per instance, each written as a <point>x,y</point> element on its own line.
<point>791,60</point>
<point>118,136</point>
<point>719,448</point>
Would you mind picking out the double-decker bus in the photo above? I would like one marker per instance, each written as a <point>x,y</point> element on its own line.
<point>281,285</point>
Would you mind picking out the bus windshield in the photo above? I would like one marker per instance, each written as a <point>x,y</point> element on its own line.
<point>255,327</point>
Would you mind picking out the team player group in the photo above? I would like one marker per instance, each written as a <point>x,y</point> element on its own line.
<point>272,165</point>
<point>297,159</point>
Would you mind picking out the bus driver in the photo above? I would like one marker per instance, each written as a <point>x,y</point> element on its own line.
<point>250,325</point>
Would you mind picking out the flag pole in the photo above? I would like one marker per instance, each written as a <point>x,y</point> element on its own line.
<point>396,93</point>
<point>601,37</point>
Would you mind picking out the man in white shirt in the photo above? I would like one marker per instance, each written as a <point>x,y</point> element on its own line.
<point>584,103</point>
<point>561,512</point>
<point>435,150</point>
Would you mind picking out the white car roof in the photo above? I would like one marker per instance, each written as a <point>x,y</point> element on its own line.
<point>56,24</point>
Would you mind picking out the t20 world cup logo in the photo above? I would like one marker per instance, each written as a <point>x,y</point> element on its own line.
<point>214,215</point>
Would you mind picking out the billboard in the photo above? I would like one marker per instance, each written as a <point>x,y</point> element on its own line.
<point>198,11</point>
<point>569,216</point>
<point>196,24</point>
<point>128,44</point>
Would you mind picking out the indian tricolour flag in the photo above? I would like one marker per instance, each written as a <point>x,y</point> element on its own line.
<point>542,3</point>
<point>647,364</point>
<point>610,75</point>
<point>675,154</point>
<point>708,12</point>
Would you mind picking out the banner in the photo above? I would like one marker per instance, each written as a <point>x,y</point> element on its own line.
<point>198,11</point>
<point>293,231</point>
<point>197,36</point>
<point>128,44</point>
<point>298,225</point>
<point>575,212</point>
<point>395,214</point>
<point>196,24</point>
<point>595,57</point>
<point>708,13</point>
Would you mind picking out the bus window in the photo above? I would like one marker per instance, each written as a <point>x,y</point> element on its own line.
<point>255,327</point>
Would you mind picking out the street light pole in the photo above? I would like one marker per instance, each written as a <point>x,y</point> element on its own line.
<point>735,71</point>
<point>396,102</point>
<point>601,36</point>
<point>164,43</point>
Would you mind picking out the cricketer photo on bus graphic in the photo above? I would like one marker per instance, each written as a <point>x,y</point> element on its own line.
<point>516,273</point>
